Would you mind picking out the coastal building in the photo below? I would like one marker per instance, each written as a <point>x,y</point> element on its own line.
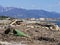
<point>42,19</point>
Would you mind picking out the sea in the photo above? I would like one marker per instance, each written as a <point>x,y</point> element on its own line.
<point>56,22</point>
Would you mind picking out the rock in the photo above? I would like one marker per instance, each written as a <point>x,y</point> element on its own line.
<point>54,27</point>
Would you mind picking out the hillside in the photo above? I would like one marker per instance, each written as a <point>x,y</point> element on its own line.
<point>24,13</point>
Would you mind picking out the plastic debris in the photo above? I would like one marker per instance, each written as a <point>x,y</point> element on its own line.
<point>18,33</point>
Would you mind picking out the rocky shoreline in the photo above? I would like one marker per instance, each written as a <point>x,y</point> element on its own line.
<point>40,34</point>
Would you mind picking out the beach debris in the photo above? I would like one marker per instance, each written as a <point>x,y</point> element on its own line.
<point>15,32</point>
<point>29,26</point>
<point>10,43</point>
<point>58,43</point>
<point>46,39</point>
<point>19,33</point>
<point>7,31</point>
<point>16,22</point>
<point>55,27</point>
<point>4,43</point>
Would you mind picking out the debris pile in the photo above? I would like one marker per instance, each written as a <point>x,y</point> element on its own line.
<point>30,33</point>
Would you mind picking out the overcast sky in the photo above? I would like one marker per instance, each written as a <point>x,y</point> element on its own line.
<point>48,5</point>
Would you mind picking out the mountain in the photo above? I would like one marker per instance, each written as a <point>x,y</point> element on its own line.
<point>24,13</point>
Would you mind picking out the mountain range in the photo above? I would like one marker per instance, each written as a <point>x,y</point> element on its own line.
<point>25,13</point>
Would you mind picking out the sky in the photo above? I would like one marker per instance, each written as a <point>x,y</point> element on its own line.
<point>48,5</point>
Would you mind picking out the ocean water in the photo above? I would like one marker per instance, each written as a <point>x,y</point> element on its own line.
<point>57,22</point>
